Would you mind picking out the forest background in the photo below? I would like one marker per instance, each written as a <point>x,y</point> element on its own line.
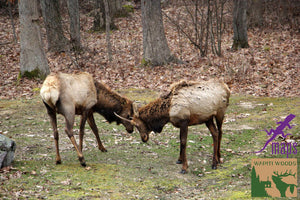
<point>269,67</point>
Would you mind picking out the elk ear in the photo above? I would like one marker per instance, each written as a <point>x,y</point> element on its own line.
<point>136,106</point>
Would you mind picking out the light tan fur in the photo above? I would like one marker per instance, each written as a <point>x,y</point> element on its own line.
<point>77,89</point>
<point>198,101</point>
<point>50,90</point>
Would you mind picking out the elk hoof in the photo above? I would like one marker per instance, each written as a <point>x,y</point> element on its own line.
<point>183,171</point>
<point>82,161</point>
<point>178,162</point>
<point>83,164</point>
<point>58,162</point>
<point>214,167</point>
<point>103,150</point>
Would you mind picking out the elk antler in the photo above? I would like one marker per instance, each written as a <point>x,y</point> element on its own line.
<point>285,174</point>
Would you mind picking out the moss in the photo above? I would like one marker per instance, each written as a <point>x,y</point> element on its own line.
<point>124,12</point>
<point>36,73</point>
<point>19,78</point>
<point>36,89</point>
<point>128,8</point>
<point>266,48</point>
<point>239,195</point>
<point>145,63</point>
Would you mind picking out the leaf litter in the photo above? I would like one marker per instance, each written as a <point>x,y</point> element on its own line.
<point>270,67</point>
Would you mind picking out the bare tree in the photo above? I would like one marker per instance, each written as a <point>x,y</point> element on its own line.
<point>255,13</point>
<point>217,25</point>
<point>52,19</point>
<point>33,62</point>
<point>114,6</point>
<point>155,46</point>
<point>73,8</point>
<point>240,37</point>
<point>107,30</point>
<point>202,23</point>
<point>98,16</point>
<point>12,20</point>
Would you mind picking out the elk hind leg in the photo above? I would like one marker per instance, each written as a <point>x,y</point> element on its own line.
<point>219,120</point>
<point>52,114</point>
<point>212,128</point>
<point>183,139</point>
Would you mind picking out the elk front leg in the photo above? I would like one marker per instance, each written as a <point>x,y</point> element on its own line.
<point>212,128</point>
<point>183,139</point>
<point>93,126</point>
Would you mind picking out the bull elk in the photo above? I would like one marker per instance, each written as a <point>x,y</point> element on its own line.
<point>186,104</point>
<point>80,94</point>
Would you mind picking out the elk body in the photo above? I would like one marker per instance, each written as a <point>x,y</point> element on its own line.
<point>187,104</point>
<point>79,94</point>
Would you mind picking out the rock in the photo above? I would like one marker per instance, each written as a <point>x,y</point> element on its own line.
<point>7,151</point>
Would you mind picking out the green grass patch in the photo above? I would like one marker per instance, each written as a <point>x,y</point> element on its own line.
<point>132,169</point>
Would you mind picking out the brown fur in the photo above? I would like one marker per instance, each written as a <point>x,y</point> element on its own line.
<point>187,103</point>
<point>109,102</point>
<point>70,94</point>
<point>156,114</point>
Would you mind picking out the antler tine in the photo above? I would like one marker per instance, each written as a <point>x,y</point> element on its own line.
<point>130,121</point>
<point>122,117</point>
<point>286,173</point>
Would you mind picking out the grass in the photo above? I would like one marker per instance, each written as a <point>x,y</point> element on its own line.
<point>132,169</point>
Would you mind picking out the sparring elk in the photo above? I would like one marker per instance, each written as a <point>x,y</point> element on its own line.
<point>80,94</point>
<point>186,104</point>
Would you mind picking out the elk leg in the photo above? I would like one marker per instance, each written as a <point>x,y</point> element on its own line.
<point>52,114</point>
<point>212,128</point>
<point>81,131</point>
<point>219,125</point>
<point>69,131</point>
<point>93,126</point>
<point>183,139</point>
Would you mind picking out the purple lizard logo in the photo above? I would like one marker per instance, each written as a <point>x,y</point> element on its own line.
<point>279,130</point>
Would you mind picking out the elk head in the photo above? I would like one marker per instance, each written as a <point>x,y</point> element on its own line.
<point>125,115</point>
<point>138,123</point>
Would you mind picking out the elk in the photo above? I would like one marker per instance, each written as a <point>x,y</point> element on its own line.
<point>186,104</point>
<point>281,185</point>
<point>80,94</point>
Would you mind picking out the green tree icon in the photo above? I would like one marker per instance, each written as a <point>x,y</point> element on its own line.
<point>258,187</point>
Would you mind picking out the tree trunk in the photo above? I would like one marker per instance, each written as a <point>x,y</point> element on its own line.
<point>115,6</point>
<point>52,19</point>
<point>155,47</point>
<point>73,8</point>
<point>98,18</point>
<point>33,62</point>
<point>255,13</point>
<point>240,38</point>
<point>107,27</point>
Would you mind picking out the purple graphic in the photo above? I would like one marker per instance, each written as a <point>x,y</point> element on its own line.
<point>279,130</point>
